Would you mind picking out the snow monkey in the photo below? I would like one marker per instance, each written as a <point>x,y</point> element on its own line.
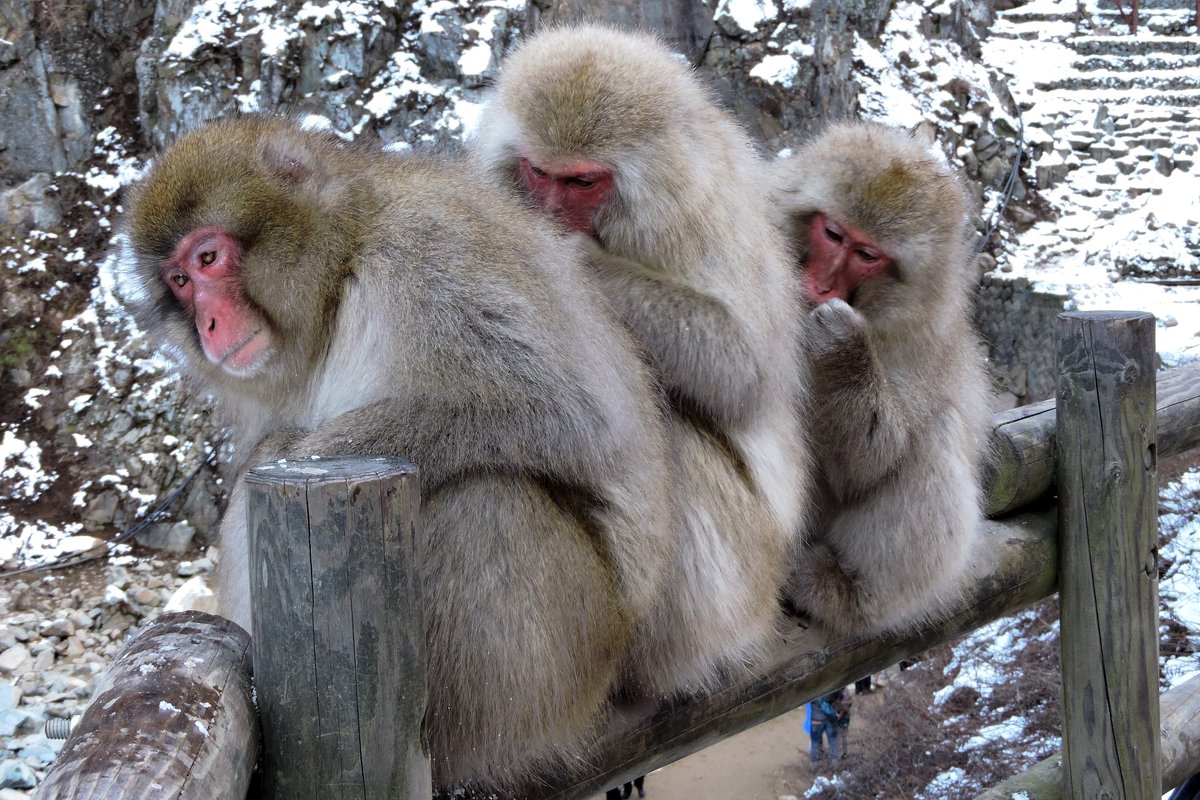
<point>339,301</point>
<point>899,396</point>
<point>618,140</point>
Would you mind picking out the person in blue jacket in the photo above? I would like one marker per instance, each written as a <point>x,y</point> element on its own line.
<point>829,715</point>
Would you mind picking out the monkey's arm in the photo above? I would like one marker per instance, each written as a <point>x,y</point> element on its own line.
<point>860,416</point>
<point>691,340</point>
<point>535,425</point>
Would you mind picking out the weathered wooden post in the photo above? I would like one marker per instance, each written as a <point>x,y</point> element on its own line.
<point>1109,566</point>
<point>339,653</point>
<point>173,717</point>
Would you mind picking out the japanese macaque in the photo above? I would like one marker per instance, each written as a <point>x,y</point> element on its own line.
<point>339,301</point>
<point>899,395</point>
<point>611,135</point>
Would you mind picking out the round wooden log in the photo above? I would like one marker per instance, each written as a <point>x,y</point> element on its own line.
<point>339,649</point>
<point>1180,752</point>
<point>173,717</point>
<point>807,663</point>
<point>1021,467</point>
<point>1109,561</point>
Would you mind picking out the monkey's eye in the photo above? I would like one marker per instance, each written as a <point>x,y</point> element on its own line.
<point>208,257</point>
<point>541,173</point>
<point>580,183</point>
<point>868,256</point>
<point>833,233</point>
<point>179,280</point>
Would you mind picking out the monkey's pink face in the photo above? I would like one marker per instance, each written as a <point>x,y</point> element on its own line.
<point>840,259</point>
<point>571,193</point>
<point>204,275</point>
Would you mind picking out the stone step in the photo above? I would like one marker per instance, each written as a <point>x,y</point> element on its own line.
<point>1163,23</point>
<point>1124,101</point>
<point>1034,30</point>
<point>1024,15</point>
<point>1147,5</point>
<point>1161,80</point>
<point>1134,46</point>
<point>1134,115</point>
<point>1139,63</point>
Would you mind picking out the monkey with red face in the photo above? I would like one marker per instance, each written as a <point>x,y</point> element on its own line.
<point>899,397</point>
<point>611,135</point>
<point>338,301</point>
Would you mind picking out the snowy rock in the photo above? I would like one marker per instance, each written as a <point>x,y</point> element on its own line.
<point>16,774</point>
<point>118,578</point>
<point>10,696</point>
<point>38,755</point>
<point>193,595</point>
<point>80,619</point>
<point>144,596</point>
<point>1164,161</point>
<point>173,537</point>
<point>16,720</point>
<point>30,206</point>
<point>58,627</point>
<point>187,569</point>
<point>102,509</point>
<point>14,659</point>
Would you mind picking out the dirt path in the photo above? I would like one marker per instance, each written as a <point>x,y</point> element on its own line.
<point>767,762</point>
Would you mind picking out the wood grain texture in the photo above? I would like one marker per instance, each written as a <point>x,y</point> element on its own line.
<point>1022,567</point>
<point>340,653</point>
<point>1108,532</point>
<point>1021,467</point>
<point>173,717</point>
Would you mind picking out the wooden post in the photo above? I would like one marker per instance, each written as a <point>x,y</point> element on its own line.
<point>1109,559</point>
<point>173,717</point>
<point>339,653</point>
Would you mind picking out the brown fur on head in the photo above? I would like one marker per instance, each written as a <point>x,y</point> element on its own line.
<point>623,100</point>
<point>284,195</point>
<point>890,185</point>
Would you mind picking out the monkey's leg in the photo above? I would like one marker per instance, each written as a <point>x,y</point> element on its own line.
<point>896,557</point>
<point>720,606</point>
<point>525,629</point>
<point>232,576</point>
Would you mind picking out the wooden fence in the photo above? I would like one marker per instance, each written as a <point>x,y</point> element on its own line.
<point>339,667</point>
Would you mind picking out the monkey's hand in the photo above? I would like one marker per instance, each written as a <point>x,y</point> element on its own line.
<point>821,588</point>
<point>279,443</point>
<point>834,328</point>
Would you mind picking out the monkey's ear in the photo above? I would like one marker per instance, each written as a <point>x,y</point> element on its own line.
<point>289,162</point>
<point>924,132</point>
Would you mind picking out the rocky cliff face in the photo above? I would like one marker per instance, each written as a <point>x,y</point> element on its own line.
<point>405,71</point>
<point>93,428</point>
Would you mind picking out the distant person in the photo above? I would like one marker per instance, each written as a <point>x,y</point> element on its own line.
<point>824,725</point>
<point>841,706</point>
<point>617,793</point>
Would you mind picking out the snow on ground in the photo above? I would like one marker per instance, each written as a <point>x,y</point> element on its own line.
<point>1108,220</point>
<point>1179,587</point>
